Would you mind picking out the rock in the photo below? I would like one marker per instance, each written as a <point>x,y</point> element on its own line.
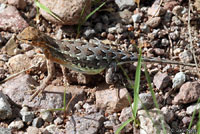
<point>110,99</point>
<point>37,122</point>
<point>90,108</point>
<point>177,10</point>
<point>5,107</point>
<point>110,37</point>
<point>46,115</point>
<point>145,28</point>
<point>161,80</point>
<point>155,10</point>
<point>168,114</point>
<point>125,16</point>
<point>159,51</point>
<point>26,47</point>
<point>27,116</point>
<point>151,123</point>
<point>178,80</point>
<point>89,32</point>
<point>32,130</point>
<point>16,124</point>
<point>16,65</point>
<point>186,56</point>
<point>2,73</point>
<point>11,20</point>
<point>126,114</point>
<point>146,100</point>
<point>165,42</point>
<point>186,121</point>
<point>154,22</point>
<point>10,46</point>
<point>18,90</point>
<point>5,130</point>
<point>89,124</point>
<point>136,17</point>
<point>53,129</point>
<point>21,4</point>
<point>192,108</point>
<point>70,12</point>
<point>98,27</point>
<point>189,92</point>
<point>170,4</point>
<point>58,121</point>
<point>125,4</point>
<point>109,124</point>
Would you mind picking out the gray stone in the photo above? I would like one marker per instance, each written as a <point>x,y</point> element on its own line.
<point>136,17</point>
<point>32,130</point>
<point>69,11</point>
<point>1,40</point>
<point>151,123</point>
<point>178,80</point>
<point>124,4</point>
<point>46,115</point>
<point>27,116</point>
<point>98,27</point>
<point>90,124</point>
<point>58,121</point>
<point>5,130</point>
<point>186,56</point>
<point>114,100</point>
<point>112,30</point>
<point>90,108</point>
<point>145,28</point>
<point>146,100</point>
<point>109,124</point>
<point>10,19</point>
<point>16,124</point>
<point>18,89</point>
<point>10,46</point>
<point>89,32</point>
<point>168,114</point>
<point>165,42</point>
<point>37,122</point>
<point>53,129</point>
<point>125,16</point>
<point>26,47</point>
<point>5,107</point>
<point>192,108</point>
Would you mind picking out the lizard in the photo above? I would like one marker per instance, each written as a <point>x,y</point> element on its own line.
<point>83,57</point>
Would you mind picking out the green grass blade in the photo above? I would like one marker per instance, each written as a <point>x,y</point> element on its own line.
<point>46,9</point>
<point>198,124</point>
<point>123,125</point>
<point>137,84</point>
<point>150,87</point>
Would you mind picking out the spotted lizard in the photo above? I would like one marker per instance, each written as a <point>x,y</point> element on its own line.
<point>87,58</point>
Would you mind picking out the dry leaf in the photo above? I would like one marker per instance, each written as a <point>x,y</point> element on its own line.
<point>138,2</point>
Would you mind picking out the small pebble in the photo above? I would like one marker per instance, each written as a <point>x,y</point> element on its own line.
<point>178,80</point>
<point>111,37</point>
<point>37,122</point>
<point>46,115</point>
<point>16,124</point>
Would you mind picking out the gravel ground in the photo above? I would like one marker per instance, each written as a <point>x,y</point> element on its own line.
<point>95,107</point>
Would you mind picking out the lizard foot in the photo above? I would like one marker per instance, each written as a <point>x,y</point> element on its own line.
<point>51,70</point>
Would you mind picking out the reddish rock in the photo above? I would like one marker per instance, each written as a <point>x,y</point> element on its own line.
<point>154,22</point>
<point>170,5</point>
<point>21,4</point>
<point>161,80</point>
<point>11,20</point>
<point>69,11</point>
<point>189,92</point>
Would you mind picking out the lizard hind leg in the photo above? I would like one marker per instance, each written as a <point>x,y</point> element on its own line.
<point>51,70</point>
<point>110,75</point>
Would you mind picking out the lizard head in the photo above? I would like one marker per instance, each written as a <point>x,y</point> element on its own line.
<point>29,34</point>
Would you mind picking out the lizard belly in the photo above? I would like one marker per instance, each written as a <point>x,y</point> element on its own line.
<point>85,70</point>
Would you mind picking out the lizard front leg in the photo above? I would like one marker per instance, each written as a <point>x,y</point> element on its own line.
<point>50,71</point>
